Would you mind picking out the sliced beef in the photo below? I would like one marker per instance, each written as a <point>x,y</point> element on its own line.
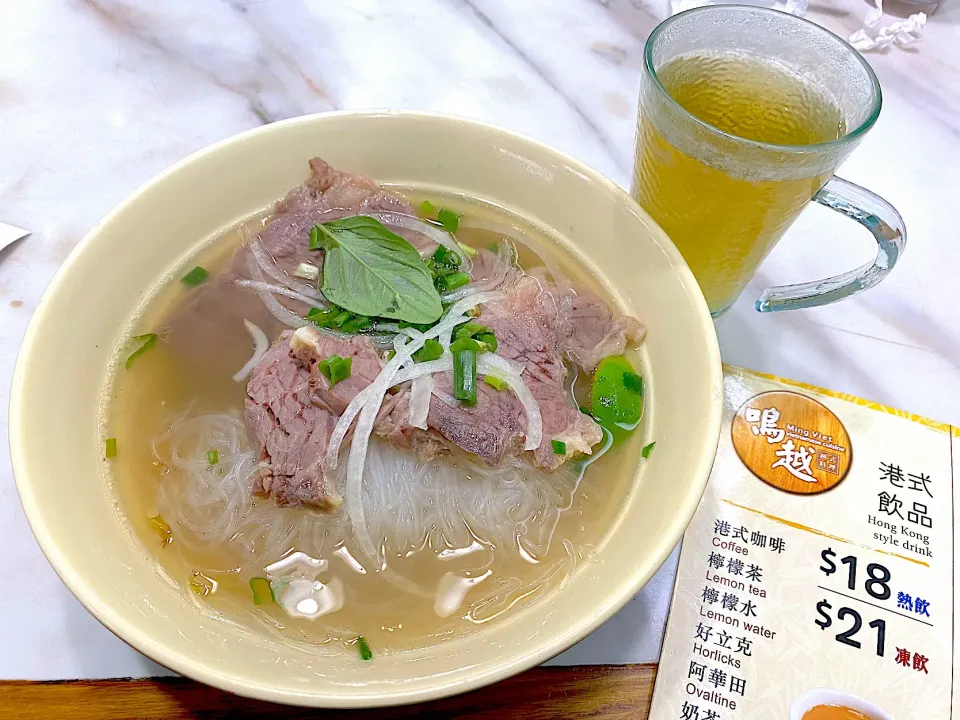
<point>291,411</point>
<point>326,189</point>
<point>291,430</point>
<point>492,429</point>
<point>328,195</point>
<point>309,346</point>
<point>212,316</point>
<point>393,425</point>
<point>589,331</point>
<point>526,327</point>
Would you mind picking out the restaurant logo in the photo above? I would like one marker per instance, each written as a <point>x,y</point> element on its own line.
<point>792,442</point>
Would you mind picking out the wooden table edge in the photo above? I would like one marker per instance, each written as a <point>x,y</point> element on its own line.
<point>594,691</point>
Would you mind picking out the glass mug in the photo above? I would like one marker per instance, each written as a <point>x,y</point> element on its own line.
<point>745,113</point>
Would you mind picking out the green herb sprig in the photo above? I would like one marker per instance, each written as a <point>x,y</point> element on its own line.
<point>371,271</point>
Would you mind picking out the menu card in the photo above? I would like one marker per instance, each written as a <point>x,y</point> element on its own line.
<point>816,579</point>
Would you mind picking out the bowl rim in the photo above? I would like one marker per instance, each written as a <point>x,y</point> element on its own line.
<point>184,665</point>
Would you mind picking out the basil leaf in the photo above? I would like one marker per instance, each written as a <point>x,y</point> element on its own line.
<point>371,271</point>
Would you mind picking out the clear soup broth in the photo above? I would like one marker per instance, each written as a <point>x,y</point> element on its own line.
<point>428,584</point>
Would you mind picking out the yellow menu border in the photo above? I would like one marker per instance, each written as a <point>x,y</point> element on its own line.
<point>942,427</point>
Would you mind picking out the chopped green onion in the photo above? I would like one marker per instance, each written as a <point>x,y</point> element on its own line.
<point>316,315</point>
<point>466,344</point>
<point>110,448</point>
<point>307,271</point>
<point>262,591</point>
<point>213,457</point>
<point>421,328</point>
<point>335,368</point>
<point>365,652</point>
<point>356,323</point>
<point>481,333</point>
<point>390,355</point>
<point>495,382</point>
<point>147,341</point>
<point>445,259</point>
<point>559,447</point>
<point>648,450</point>
<point>431,350</point>
<point>315,242</point>
<point>195,277</point>
<point>488,339</point>
<point>449,219</point>
<point>331,317</point>
<point>445,283</point>
<point>465,370</point>
<point>324,365</point>
<point>633,382</point>
<point>469,329</point>
<point>427,209</point>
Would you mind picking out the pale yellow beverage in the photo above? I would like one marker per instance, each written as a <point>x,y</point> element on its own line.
<point>723,208</point>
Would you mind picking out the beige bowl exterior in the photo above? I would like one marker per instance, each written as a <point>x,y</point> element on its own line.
<point>54,424</point>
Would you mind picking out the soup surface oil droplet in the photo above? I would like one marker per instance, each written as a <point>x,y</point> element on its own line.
<point>203,585</point>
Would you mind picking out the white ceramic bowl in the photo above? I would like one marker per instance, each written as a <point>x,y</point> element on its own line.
<point>54,414</point>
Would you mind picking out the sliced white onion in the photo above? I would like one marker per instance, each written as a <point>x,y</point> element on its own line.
<point>497,276</point>
<point>518,236</point>
<point>459,294</point>
<point>418,370</point>
<point>420,393</point>
<point>446,398</point>
<point>260,347</point>
<point>438,235</point>
<point>290,318</point>
<point>366,404</point>
<point>461,306</point>
<point>276,290</point>
<point>381,340</point>
<point>356,460</point>
<point>287,317</point>
<point>307,271</point>
<point>445,338</point>
<point>269,266</point>
<point>404,354</point>
<point>512,366</point>
<point>505,369</point>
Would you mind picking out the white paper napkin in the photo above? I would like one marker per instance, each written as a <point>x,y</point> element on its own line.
<point>10,234</point>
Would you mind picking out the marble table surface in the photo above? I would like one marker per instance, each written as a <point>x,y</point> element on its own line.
<point>96,96</point>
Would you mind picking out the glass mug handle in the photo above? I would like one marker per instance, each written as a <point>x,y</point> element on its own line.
<point>875,214</point>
